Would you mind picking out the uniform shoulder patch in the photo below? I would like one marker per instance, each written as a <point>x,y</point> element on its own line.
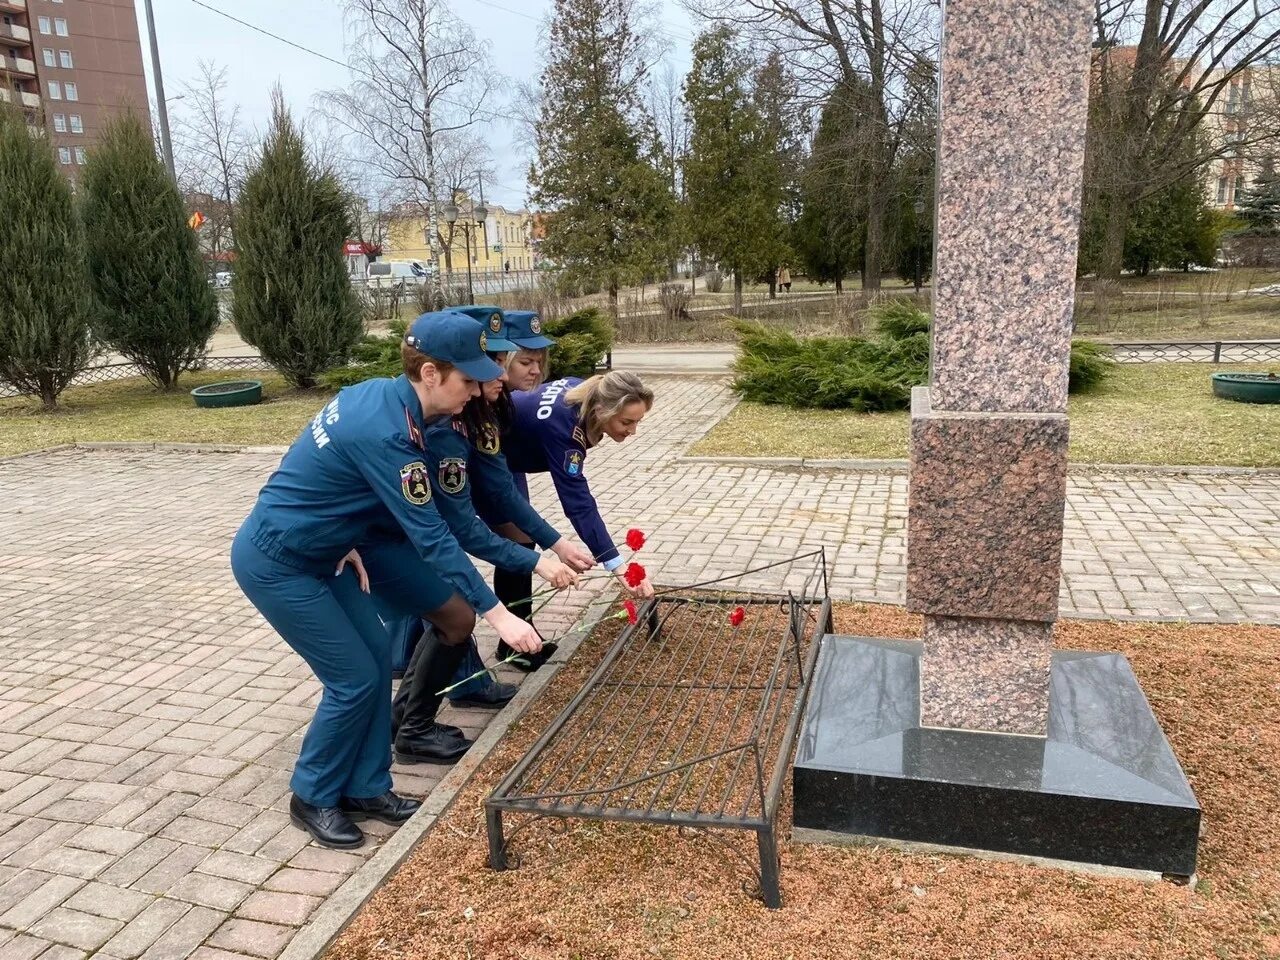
<point>414,483</point>
<point>573,462</point>
<point>452,474</point>
<point>487,442</point>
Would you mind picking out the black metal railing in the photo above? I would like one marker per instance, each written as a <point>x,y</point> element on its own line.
<point>1198,351</point>
<point>124,370</point>
<point>688,721</point>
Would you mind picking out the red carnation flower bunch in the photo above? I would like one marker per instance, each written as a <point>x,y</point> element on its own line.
<point>629,607</point>
<point>635,539</point>
<point>634,575</point>
<point>737,616</point>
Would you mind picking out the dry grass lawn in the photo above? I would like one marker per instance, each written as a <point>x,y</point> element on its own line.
<point>133,410</point>
<point>617,892</point>
<point>1146,413</point>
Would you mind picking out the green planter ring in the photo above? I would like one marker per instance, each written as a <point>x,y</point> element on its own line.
<point>1247,387</point>
<point>228,393</point>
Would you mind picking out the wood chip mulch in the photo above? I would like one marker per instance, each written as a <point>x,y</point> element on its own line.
<point>603,891</point>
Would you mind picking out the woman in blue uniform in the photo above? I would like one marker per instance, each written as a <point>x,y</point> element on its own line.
<point>407,590</point>
<point>359,462</point>
<point>552,430</point>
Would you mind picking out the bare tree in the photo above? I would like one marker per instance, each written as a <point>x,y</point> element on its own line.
<point>212,144</point>
<point>1164,67</point>
<point>421,75</point>
<point>873,49</point>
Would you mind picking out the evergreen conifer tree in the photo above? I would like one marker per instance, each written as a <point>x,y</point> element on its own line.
<point>829,232</point>
<point>598,158</point>
<point>291,295</point>
<point>733,177</point>
<point>45,301</point>
<point>154,304</point>
<point>1258,205</point>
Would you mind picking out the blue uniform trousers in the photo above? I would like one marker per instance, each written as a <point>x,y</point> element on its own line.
<point>404,587</point>
<point>334,627</point>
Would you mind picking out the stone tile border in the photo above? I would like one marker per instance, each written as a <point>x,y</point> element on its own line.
<point>342,905</point>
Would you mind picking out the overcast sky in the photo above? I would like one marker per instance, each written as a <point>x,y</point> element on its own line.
<point>189,33</point>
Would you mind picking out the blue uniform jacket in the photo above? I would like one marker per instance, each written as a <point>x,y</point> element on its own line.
<point>501,498</point>
<point>546,437</point>
<point>359,467</point>
<point>456,467</point>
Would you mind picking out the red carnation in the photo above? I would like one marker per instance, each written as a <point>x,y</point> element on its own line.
<point>634,575</point>
<point>736,618</point>
<point>635,539</point>
<point>632,615</point>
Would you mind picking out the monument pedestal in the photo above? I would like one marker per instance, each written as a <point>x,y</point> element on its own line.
<point>1104,786</point>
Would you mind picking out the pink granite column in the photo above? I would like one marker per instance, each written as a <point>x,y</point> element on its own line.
<point>989,435</point>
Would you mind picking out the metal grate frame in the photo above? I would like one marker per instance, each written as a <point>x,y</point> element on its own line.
<point>688,721</point>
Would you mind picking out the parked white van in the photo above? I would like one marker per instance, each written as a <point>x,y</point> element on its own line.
<point>384,273</point>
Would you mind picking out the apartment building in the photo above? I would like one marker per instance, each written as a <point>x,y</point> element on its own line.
<point>1250,105</point>
<point>74,64</point>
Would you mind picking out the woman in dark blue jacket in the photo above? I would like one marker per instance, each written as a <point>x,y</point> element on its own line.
<point>360,466</point>
<point>553,429</point>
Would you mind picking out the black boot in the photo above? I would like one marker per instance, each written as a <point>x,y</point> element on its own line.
<point>419,738</point>
<point>328,826</point>
<point>515,590</point>
<point>389,808</point>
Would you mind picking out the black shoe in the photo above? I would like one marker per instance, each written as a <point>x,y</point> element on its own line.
<point>389,808</point>
<point>431,745</point>
<point>531,661</point>
<point>328,826</point>
<point>493,694</point>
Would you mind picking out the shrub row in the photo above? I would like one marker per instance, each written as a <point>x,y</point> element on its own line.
<point>863,373</point>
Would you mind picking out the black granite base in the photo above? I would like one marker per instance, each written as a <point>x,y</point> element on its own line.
<point>1104,786</point>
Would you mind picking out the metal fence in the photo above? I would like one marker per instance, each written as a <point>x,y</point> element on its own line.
<point>1185,351</point>
<point>124,370</point>
<point>1198,351</point>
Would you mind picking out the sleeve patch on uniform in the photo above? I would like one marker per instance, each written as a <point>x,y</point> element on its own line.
<point>573,463</point>
<point>414,483</point>
<point>452,474</point>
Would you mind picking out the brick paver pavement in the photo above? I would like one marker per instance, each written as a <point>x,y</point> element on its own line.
<point>149,718</point>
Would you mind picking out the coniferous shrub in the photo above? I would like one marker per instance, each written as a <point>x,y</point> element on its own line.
<point>45,300</point>
<point>862,373</point>
<point>1091,364</point>
<point>372,356</point>
<point>292,298</point>
<point>582,339</point>
<point>154,304</point>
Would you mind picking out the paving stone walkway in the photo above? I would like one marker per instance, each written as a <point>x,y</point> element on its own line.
<point>149,718</point>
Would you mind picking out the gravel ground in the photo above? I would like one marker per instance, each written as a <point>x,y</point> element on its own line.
<point>620,891</point>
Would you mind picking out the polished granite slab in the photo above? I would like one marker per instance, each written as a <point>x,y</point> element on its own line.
<point>1103,787</point>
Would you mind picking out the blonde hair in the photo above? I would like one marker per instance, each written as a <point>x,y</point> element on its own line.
<point>542,353</point>
<point>603,396</point>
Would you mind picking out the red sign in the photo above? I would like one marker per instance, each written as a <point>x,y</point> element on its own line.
<point>355,248</point>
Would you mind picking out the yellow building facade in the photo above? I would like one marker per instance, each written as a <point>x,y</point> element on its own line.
<point>503,241</point>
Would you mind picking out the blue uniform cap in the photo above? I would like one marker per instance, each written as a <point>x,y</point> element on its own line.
<point>524,328</point>
<point>456,338</point>
<point>494,325</point>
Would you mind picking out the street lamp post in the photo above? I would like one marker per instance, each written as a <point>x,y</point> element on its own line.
<point>918,206</point>
<point>478,213</point>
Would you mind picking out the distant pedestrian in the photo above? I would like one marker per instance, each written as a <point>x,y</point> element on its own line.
<point>784,278</point>
<point>506,266</point>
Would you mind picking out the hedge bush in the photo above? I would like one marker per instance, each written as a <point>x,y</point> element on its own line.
<point>582,339</point>
<point>862,373</point>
